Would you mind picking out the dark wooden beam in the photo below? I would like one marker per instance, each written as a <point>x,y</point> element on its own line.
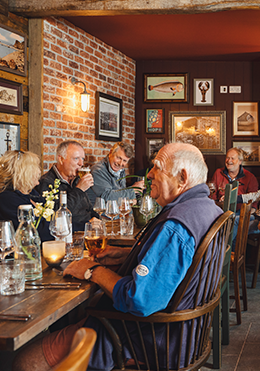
<point>39,8</point>
<point>4,7</point>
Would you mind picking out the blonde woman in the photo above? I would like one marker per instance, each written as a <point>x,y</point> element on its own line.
<point>19,174</point>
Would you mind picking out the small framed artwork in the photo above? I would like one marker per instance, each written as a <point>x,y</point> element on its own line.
<point>251,151</point>
<point>108,117</point>
<point>155,121</point>
<point>13,51</point>
<point>153,145</point>
<point>9,137</point>
<point>203,92</point>
<point>205,130</point>
<point>245,119</point>
<point>166,87</point>
<point>11,97</point>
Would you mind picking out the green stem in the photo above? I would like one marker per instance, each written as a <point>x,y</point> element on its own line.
<point>38,222</point>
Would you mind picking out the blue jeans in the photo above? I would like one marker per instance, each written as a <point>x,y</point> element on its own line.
<point>253,227</point>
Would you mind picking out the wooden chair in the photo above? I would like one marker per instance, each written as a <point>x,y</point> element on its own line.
<point>81,348</point>
<point>253,245</point>
<point>191,326</point>
<point>221,313</point>
<point>238,259</point>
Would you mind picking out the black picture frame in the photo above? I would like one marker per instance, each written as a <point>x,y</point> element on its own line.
<point>13,51</point>
<point>153,145</point>
<point>11,97</point>
<point>9,137</point>
<point>166,87</point>
<point>154,121</point>
<point>108,117</point>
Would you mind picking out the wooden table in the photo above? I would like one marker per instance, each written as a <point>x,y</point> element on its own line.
<point>45,306</point>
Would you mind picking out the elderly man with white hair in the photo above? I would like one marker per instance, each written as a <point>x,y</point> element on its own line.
<point>151,271</point>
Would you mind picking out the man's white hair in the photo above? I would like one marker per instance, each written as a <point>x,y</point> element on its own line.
<point>187,157</point>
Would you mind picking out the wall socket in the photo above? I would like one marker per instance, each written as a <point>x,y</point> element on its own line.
<point>235,89</point>
<point>223,89</point>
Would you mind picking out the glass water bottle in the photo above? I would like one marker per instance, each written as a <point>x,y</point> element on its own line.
<point>29,243</point>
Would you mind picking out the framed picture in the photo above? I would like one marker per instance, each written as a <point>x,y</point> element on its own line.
<point>251,151</point>
<point>11,97</point>
<point>203,92</point>
<point>9,137</point>
<point>155,121</point>
<point>205,130</point>
<point>153,145</point>
<point>108,117</point>
<point>13,51</point>
<point>245,119</point>
<point>166,87</point>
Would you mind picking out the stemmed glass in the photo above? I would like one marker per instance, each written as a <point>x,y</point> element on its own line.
<point>7,238</point>
<point>100,206</point>
<point>124,208</point>
<point>212,187</point>
<point>112,211</point>
<point>60,226</point>
<point>147,206</point>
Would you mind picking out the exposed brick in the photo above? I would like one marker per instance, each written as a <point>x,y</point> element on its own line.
<point>67,55</point>
<point>74,65</point>
<point>62,44</point>
<point>56,32</point>
<point>55,65</point>
<point>73,49</point>
<point>56,49</point>
<point>62,60</point>
<point>49,54</point>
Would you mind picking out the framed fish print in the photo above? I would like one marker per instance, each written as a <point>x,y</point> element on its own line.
<point>245,119</point>
<point>155,121</point>
<point>166,87</point>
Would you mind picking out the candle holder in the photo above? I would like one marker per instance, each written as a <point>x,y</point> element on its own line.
<point>53,252</point>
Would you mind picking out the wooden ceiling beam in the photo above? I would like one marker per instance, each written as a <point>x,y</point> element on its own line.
<point>44,8</point>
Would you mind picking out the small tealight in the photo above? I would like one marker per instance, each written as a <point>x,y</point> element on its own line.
<point>53,252</point>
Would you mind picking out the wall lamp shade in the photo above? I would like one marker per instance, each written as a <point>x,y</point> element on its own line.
<point>85,96</point>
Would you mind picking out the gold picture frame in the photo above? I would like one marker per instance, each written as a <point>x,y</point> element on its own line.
<point>245,119</point>
<point>251,151</point>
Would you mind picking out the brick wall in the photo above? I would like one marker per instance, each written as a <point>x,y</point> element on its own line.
<point>70,51</point>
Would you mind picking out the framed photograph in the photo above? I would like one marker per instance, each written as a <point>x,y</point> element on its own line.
<point>108,117</point>
<point>245,119</point>
<point>13,51</point>
<point>205,130</point>
<point>203,92</point>
<point>154,121</point>
<point>11,97</point>
<point>166,87</point>
<point>9,137</point>
<point>153,145</point>
<point>251,151</point>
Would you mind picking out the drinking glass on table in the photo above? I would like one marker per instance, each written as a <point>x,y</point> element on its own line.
<point>99,206</point>
<point>7,238</point>
<point>94,238</point>
<point>112,211</point>
<point>147,206</point>
<point>125,209</point>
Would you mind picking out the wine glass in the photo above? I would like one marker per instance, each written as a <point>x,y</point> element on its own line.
<point>95,238</point>
<point>112,211</point>
<point>7,238</point>
<point>60,225</point>
<point>124,208</point>
<point>147,206</point>
<point>100,206</point>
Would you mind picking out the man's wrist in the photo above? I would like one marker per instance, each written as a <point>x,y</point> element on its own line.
<point>89,271</point>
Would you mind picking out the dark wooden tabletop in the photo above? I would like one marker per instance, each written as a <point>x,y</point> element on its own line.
<point>45,306</point>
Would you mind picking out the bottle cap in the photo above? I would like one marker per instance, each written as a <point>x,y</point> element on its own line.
<point>25,207</point>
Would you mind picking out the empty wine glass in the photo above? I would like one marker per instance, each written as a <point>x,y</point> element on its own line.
<point>100,206</point>
<point>124,208</point>
<point>60,226</point>
<point>7,238</point>
<point>147,206</point>
<point>112,211</point>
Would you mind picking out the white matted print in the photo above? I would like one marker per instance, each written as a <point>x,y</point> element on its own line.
<point>203,92</point>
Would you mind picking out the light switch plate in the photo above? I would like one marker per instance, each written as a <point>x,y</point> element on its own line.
<point>223,89</point>
<point>235,89</point>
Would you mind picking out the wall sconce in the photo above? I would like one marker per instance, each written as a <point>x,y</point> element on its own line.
<point>85,96</point>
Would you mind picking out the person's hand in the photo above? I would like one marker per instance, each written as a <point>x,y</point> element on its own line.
<point>85,182</point>
<point>139,184</point>
<point>221,198</point>
<point>78,267</point>
<point>112,255</point>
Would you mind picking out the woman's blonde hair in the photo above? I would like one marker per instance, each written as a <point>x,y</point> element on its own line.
<point>18,170</point>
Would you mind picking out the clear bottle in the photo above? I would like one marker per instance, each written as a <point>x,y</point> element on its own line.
<point>29,243</point>
<point>60,213</point>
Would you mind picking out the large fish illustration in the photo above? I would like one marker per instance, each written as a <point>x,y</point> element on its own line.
<point>167,87</point>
